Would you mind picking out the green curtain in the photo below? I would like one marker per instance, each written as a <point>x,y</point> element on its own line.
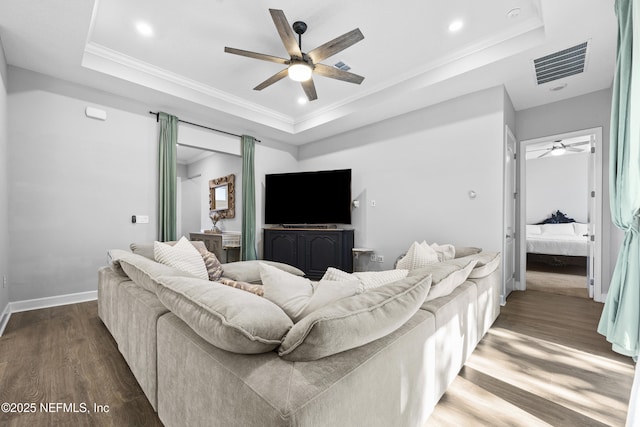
<point>248,243</point>
<point>167,185</point>
<point>620,321</point>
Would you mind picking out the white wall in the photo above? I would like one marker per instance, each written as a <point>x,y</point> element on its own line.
<point>419,168</point>
<point>4,198</point>
<point>216,166</point>
<point>74,183</point>
<point>557,183</point>
<point>582,112</point>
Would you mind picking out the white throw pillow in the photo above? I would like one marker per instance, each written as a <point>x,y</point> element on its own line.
<point>368,279</point>
<point>445,252</point>
<point>298,296</point>
<point>182,256</point>
<point>418,256</point>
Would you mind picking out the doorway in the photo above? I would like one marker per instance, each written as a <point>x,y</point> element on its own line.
<point>554,235</point>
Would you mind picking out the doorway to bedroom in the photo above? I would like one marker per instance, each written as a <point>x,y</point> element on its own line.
<point>560,214</point>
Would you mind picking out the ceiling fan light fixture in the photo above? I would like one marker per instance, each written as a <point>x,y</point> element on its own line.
<point>558,151</point>
<point>300,72</point>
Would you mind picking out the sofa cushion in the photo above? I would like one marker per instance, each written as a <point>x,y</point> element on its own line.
<point>446,275</point>
<point>354,321</point>
<point>239,322</point>
<point>463,251</point>
<point>487,263</point>
<point>299,296</point>
<point>249,271</point>
<point>182,256</point>
<point>368,279</point>
<point>142,270</point>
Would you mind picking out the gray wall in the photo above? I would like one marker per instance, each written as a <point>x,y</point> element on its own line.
<point>582,112</point>
<point>557,183</point>
<point>4,198</point>
<point>74,183</point>
<point>419,168</point>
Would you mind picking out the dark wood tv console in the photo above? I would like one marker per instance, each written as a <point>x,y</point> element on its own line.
<point>311,250</point>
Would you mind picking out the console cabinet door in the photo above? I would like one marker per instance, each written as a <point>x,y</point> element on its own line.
<point>312,251</point>
<point>321,251</point>
<point>281,247</point>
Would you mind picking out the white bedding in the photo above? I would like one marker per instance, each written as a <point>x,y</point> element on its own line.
<point>557,239</point>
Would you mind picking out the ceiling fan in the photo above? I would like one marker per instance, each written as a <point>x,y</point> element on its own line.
<point>558,148</point>
<point>302,65</point>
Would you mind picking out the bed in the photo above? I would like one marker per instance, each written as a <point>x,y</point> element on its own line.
<point>558,235</point>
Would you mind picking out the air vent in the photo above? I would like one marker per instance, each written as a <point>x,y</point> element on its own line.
<point>564,63</point>
<point>342,66</point>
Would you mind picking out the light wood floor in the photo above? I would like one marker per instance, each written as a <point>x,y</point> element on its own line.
<point>542,363</point>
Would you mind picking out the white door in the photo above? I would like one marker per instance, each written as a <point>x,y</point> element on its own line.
<point>509,221</point>
<point>591,218</point>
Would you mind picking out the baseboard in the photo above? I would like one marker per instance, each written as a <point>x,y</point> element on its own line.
<point>35,304</point>
<point>4,318</point>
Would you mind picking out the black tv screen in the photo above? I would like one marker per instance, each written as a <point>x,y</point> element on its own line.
<point>299,198</point>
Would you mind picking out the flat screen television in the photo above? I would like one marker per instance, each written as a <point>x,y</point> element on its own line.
<point>299,198</point>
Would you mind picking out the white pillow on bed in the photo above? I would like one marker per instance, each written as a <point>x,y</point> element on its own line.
<point>581,229</point>
<point>534,229</point>
<point>558,229</point>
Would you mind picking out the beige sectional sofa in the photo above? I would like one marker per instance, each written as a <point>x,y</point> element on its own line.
<point>395,379</point>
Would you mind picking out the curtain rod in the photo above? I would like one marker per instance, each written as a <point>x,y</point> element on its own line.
<point>202,126</point>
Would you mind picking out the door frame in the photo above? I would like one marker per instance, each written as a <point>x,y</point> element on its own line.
<point>510,207</point>
<point>598,296</point>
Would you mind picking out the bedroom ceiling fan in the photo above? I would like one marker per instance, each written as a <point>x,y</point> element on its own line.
<point>558,148</point>
<point>302,65</point>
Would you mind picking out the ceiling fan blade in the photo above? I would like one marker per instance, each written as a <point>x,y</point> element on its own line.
<point>271,80</point>
<point>255,55</point>
<point>334,73</point>
<point>336,45</point>
<point>544,154</point>
<point>576,144</point>
<point>310,89</point>
<point>574,150</point>
<point>286,33</point>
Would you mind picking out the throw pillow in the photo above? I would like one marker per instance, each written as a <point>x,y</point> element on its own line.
<point>182,256</point>
<point>298,296</point>
<point>213,266</point>
<point>355,321</point>
<point>445,252</point>
<point>417,256</point>
<point>248,287</point>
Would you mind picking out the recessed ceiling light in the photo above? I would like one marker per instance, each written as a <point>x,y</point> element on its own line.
<point>144,29</point>
<point>302,100</point>
<point>513,13</point>
<point>456,25</point>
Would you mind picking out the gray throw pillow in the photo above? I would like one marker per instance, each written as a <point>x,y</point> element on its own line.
<point>446,276</point>
<point>355,321</point>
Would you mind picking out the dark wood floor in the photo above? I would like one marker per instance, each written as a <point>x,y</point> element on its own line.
<point>542,363</point>
<point>65,355</point>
